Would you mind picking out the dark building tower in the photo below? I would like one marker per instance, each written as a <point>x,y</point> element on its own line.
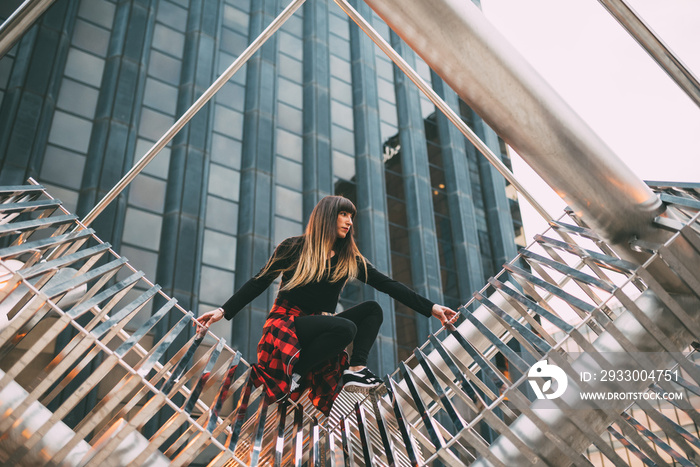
<point>318,110</point>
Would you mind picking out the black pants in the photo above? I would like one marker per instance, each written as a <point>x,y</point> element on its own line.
<point>323,336</point>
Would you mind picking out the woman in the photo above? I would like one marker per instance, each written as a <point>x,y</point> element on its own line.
<point>301,345</point>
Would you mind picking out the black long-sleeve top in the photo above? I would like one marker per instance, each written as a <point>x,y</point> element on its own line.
<point>321,296</point>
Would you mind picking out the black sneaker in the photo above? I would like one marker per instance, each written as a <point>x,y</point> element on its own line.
<point>363,379</point>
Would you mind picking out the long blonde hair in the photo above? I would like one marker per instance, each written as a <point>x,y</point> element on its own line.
<point>319,239</point>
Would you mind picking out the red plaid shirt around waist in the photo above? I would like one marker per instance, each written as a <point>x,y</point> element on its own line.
<point>278,352</point>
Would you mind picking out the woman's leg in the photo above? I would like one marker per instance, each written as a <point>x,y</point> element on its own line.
<point>321,338</point>
<point>367,316</point>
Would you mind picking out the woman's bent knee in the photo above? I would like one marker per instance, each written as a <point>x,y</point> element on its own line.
<point>375,310</point>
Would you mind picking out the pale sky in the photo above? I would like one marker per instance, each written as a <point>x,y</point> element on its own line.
<point>595,65</point>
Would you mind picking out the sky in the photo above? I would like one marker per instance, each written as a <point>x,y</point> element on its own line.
<point>611,82</point>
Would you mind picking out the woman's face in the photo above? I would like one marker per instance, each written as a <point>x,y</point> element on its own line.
<point>344,223</point>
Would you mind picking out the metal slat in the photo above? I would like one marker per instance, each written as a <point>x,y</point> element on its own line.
<point>439,390</point>
<point>44,243</point>
<point>258,429</point>
<point>509,353</point>
<point>36,224</point>
<point>29,206</point>
<point>14,190</point>
<point>298,436</point>
<point>603,260</point>
<point>279,445</point>
<point>632,448</point>
<point>408,443</point>
<point>365,440</point>
<point>534,344</point>
<point>534,306</point>
<point>383,432</point>
<point>420,407</point>
<point>657,441</point>
<point>315,453</point>
<point>569,271</point>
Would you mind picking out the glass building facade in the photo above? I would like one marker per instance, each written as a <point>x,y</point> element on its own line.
<point>318,110</point>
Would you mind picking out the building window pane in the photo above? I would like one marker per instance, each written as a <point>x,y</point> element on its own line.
<point>288,203</point>
<point>385,69</point>
<point>142,228</point>
<point>140,259</point>
<point>340,68</point>
<point>168,40</point>
<point>219,250</point>
<point>285,228</point>
<point>291,45</point>
<point>290,92</point>
<point>289,118</point>
<point>289,145</point>
<point>160,96</point>
<point>226,151</point>
<point>78,98</point>
<point>224,182</point>
<point>236,19</point>
<point>147,193</point>
<point>70,132</point>
<point>172,15</point>
<point>84,67</point>
<point>339,47</point>
<point>228,122</point>
<point>341,91</point>
<point>165,68</point>
<point>232,95</point>
<point>63,167</point>
<point>216,286</point>
<point>221,215</point>
<point>343,140</point>
<point>290,68</point>
<point>91,38</point>
<point>98,11</point>
<point>295,24</point>
<point>342,115</point>
<point>289,173</point>
<point>386,90</point>
<point>343,166</point>
<point>339,26</point>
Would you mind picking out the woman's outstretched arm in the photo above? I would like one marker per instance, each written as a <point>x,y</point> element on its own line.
<point>405,295</point>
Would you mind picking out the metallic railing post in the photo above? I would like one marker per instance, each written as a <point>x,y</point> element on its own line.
<point>192,111</point>
<point>655,47</point>
<point>20,21</point>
